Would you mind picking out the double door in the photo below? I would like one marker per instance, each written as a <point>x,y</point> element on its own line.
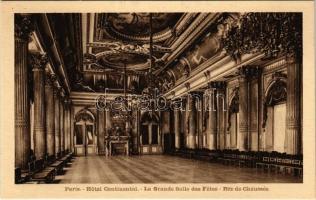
<point>85,139</point>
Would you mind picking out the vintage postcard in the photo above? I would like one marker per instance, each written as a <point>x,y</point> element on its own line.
<point>158,99</point>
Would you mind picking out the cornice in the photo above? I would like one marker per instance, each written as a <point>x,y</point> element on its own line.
<point>219,68</point>
<point>196,28</point>
<point>57,50</point>
<point>79,98</point>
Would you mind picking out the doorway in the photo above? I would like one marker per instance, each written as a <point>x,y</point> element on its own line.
<point>85,134</point>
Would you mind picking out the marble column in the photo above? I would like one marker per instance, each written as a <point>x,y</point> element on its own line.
<point>71,121</point>
<point>254,88</point>
<point>57,121</point>
<point>22,30</point>
<point>192,121</point>
<point>221,109</point>
<point>62,123</point>
<point>185,122</point>
<point>199,119</point>
<point>50,114</point>
<point>293,114</point>
<point>66,124</point>
<point>177,128</point>
<point>38,63</point>
<point>243,109</point>
<point>69,124</point>
<point>211,123</point>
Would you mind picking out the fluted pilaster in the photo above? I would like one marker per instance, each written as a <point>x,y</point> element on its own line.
<point>199,120</point>
<point>217,115</point>
<point>38,63</point>
<point>67,123</point>
<point>244,138</point>
<point>50,114</point>
<point>243,109</point>
<point>22,29</point>
<point>71,128</point>
<point>293,114</point>
<point>57,121</point>
<point>192,121</point>
<point>177,122</point>
<point>211,128</point>
<point>254,87</point>
<point>62,123</point>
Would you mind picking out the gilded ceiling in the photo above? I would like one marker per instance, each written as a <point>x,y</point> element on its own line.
<point>112,40</point>
<point>97,47</point>
<point>110,50</point>
<point>137,24</point>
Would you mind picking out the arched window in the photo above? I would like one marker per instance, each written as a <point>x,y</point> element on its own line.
<point>275,116</point>
<point>233,120</point>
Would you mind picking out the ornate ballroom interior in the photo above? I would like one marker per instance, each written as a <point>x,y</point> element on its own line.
<point>158,97</point>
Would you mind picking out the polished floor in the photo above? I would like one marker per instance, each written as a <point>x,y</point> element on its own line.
<point>161,169</point>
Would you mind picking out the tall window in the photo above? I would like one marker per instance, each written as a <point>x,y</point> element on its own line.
<point>275,116</point>
<point>234,121</point>
<point>279,114</point>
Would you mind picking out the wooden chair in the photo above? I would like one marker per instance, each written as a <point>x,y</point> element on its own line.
<point>41,173</point>
<point>263,161</point>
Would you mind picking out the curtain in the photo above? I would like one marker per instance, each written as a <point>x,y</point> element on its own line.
<point>279,113</point>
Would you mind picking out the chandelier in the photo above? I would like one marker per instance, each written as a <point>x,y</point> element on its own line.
<point>270,33</point>
<point>150,91</point>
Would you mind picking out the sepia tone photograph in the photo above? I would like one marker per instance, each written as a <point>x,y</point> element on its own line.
<point>158,97</point>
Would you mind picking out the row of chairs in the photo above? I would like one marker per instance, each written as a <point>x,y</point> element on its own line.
<point>200,154</point>
<point>264,161</point>
<point>261,160</point>
<point>44,169</point>
<point>280,163</point>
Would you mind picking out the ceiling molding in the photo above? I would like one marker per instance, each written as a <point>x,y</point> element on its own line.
<point>197,27</point>
<point>58,53</point>
<point>88,98</point>
<point>222,67</point>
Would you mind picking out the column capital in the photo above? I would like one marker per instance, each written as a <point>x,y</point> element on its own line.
<point>198,94</point>
<point>179,99</point>
<point>290,59</point>
<point>62,94</point>
<point>56,92</point>
<point>249,71</point>
<point>217,84</point>
<point>178,103</point>
<point>49,79</point>
<point>22,27</point>
<point>38,61</point>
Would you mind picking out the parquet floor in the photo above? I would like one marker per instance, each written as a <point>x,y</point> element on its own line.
<point>161,169</point>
